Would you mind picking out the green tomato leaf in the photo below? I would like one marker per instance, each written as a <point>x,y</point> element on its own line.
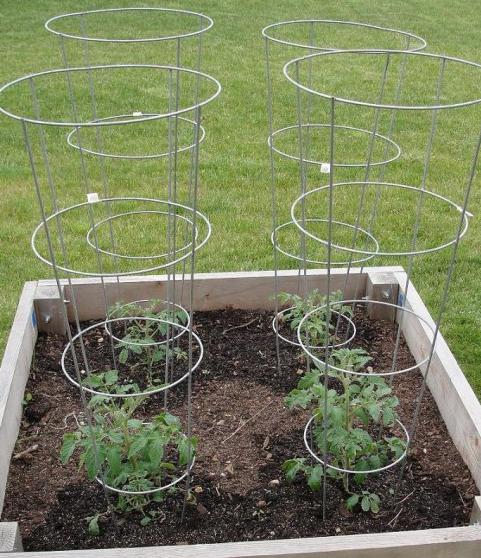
<point>186,450</point>
<point>362,415</point>
<point>145,520</point>
<point>156,452</point>
<point>90,461</point>
<point>388,417</point>
<point>352,501</point>
<point>137,446</point>
<point>375,411</point>
<point>114,462</point>
<point>125,388</point>
<point>93,526</point>
<point>97,400</point>
<point>309,379</point>
<point>115,437</point>
<point>359,478</point>
<point>382,391</point>
<point>171,419</point>
<point>93,380</point>
<point>337,416</point>
<point>124,354</point>
<point>111,377</point>
<point>354,388</point>
<point>375,502</point>
<point>292,467</point>
<point>397,446</point>
<point>365,503</point>
<point>158,497</point>
<point>121,479</point>
<point>69,444</point>
<point>314,478</point>
<point>158,356</point>
<point>298,398</point>
<point>137,349</point>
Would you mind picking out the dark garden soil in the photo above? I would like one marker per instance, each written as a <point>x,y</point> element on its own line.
<point>245,433</point>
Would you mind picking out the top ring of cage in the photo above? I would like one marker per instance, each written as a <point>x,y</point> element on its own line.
<point>206,23</point>
<point>457,75</point>
<point>269,33</point>
<point>208,86</point>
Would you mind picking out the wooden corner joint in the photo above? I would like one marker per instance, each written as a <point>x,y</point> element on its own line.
<point>382,290</point>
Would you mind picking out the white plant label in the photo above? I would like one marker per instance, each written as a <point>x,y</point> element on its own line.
<point>93,197</point>
<point>325,168</point>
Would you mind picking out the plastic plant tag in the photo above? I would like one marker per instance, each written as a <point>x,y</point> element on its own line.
<point>325,168</point>
<point>93,197</point>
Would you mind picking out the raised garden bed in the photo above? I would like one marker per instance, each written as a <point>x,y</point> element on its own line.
<point>237,499</point>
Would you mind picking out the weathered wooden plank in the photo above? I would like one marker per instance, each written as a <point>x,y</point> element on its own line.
<point>455,398</point>
<point>455,542</point>
<point>383,287</point>
<point>250,290</point>
<point>13,378</point>
<point>212,291</point>
<point>244,290</point>
<point>48,308</point>
<point>476,512</point>
<point>10,538</point>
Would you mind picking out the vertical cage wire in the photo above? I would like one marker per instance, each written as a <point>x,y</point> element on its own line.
<point>304,148</point>
<point>416,207</point>
<point>114,155</point>
<point>149,35</point>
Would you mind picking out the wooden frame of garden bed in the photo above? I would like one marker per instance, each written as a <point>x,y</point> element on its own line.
<point>40,309</point>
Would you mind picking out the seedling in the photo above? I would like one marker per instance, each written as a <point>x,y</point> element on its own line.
<point>342,433</point>
<point>147,340</point>
<point>150,328</point>
<point>316,327</point>
<point>125,452</point>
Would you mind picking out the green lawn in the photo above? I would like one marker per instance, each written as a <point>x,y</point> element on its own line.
<point>234,158</point>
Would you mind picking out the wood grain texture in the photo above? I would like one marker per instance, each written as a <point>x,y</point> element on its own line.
<point>211,292</point>
<point>455,542</point>
<point>10,538</point>
<point>454,397</point>
<point>243,290</point>
<point>13,378</point>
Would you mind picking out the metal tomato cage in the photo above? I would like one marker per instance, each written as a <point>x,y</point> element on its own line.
<point>400,196</point>
<point>120,35</point>
<point>114,154</point>
<point>303,144</point>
